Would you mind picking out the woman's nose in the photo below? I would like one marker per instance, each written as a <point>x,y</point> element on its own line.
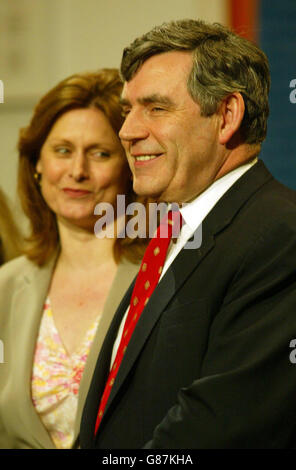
<point>79,168</point>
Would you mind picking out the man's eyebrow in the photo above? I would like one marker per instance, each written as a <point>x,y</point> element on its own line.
<point>150,99</point>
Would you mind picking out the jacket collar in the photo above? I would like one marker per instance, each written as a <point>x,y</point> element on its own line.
<point>31,290</point>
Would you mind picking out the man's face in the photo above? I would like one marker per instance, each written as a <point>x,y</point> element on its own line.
<point>172,150</point>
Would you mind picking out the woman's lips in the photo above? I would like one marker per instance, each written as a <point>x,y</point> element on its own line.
<point>76,193</point>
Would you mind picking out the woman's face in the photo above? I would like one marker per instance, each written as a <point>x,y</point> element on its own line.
<point>81,163</point>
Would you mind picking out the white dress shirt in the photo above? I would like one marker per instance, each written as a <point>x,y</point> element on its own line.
<point>193,215</point>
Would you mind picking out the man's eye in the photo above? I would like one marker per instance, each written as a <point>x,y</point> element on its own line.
<point>157,109</point>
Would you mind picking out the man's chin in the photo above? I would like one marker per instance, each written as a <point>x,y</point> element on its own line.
<point>142,190</point>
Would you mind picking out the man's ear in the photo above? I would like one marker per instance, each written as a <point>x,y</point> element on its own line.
<point>231,113</point>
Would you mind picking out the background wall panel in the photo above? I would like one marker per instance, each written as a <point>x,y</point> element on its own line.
<point>42,42</point>
<point>278,40</point>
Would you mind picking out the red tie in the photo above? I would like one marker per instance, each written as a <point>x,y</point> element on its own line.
<point>146,282</point>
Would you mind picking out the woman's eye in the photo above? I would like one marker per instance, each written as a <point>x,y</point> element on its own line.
<point>100,153</point>
<point>62,150</point>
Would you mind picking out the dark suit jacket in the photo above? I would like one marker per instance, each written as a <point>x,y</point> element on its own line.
<point>208,363</point>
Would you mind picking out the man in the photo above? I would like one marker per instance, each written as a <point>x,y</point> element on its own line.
<point>207,365</point>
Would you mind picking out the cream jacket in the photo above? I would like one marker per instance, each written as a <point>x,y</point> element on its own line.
<point>23,290</point>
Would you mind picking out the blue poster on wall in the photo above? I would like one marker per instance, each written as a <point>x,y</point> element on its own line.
<point>278,41</point>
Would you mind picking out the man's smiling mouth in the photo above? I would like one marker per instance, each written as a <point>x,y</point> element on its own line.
<point>144,158</point>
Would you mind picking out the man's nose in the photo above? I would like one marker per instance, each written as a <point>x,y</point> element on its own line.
<point>133,128</point>
<point>79,167</point>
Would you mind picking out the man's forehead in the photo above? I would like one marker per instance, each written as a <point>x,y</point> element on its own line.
<point>158,75</point>
<point>176,62</point>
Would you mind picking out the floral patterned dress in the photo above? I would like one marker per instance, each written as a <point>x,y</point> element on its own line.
<point>56,378</point>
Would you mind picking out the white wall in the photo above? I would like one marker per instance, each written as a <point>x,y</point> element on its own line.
<point>43,41</point>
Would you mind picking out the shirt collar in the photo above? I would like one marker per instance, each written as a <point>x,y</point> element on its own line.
<point>194,212</point>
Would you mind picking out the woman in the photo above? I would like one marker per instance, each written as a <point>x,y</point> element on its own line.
<point>61,296</point>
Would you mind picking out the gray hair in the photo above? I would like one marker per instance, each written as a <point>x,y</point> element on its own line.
<point>223,62</point>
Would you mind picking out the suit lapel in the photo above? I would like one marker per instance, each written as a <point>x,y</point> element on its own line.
<point>125,273</point>
<point>27,310</point>
<point>173,279</point>
<point>169,285</point>
<point>182,267</point>
<point>101,373</point>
